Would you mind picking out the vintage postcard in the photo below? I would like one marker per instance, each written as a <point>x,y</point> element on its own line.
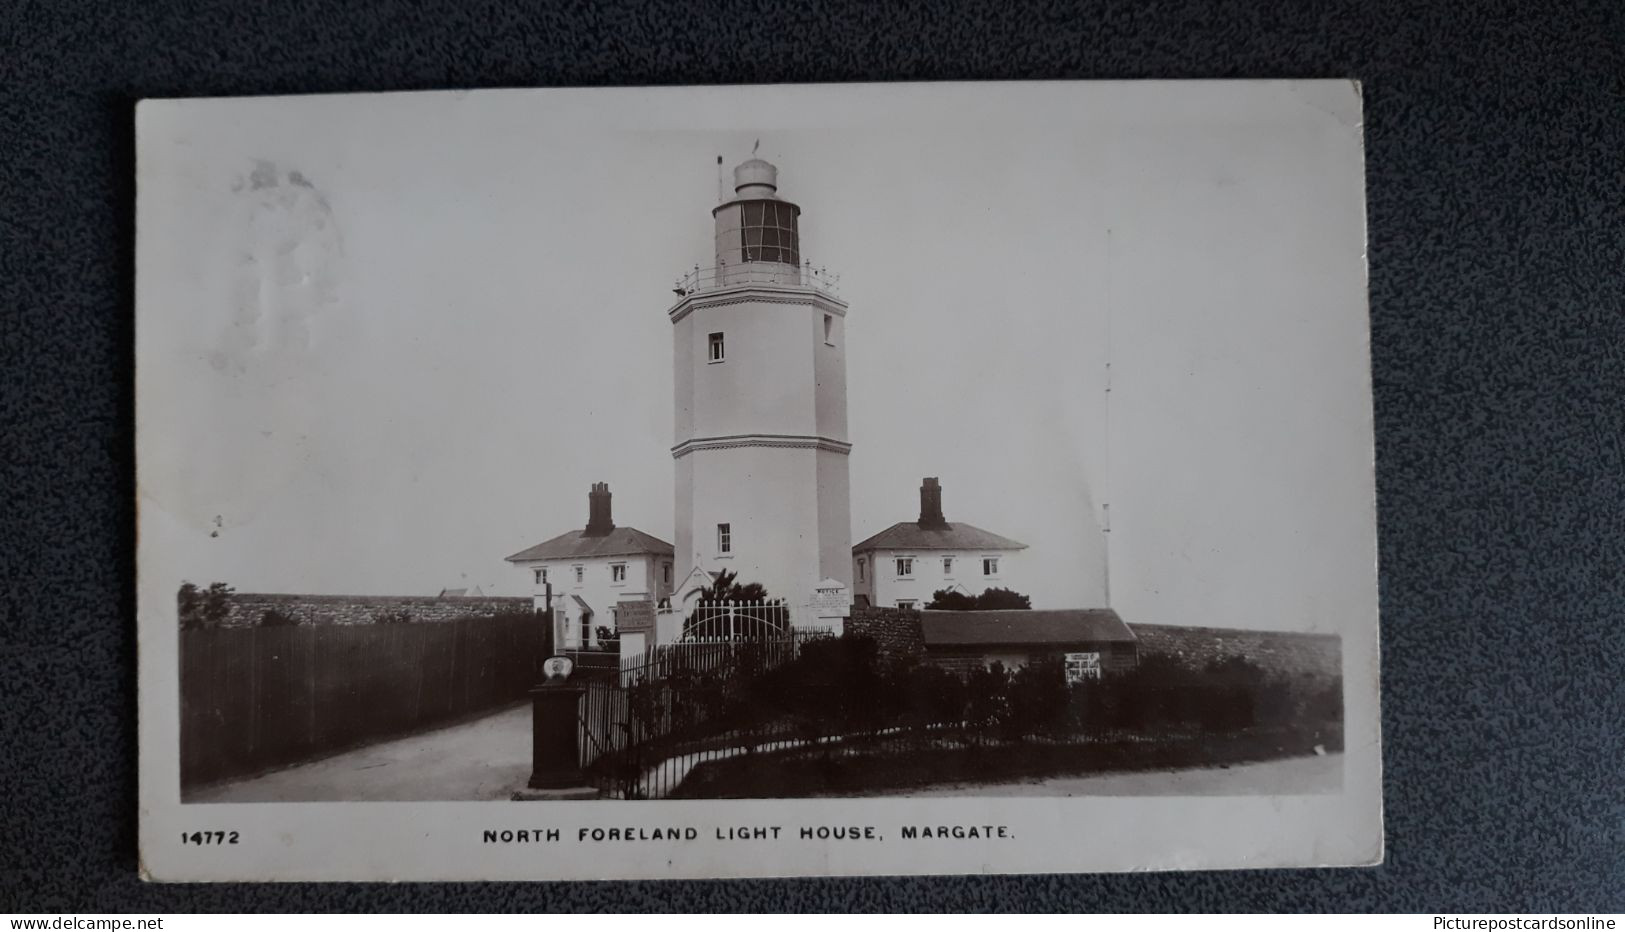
<point>755,481</point>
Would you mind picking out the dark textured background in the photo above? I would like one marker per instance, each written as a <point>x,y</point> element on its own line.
<point>1495,142</point>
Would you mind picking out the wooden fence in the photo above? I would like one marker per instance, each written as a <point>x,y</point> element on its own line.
<point>255,698</point>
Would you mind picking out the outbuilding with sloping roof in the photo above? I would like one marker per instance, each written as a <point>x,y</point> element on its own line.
<point>1090,641</point>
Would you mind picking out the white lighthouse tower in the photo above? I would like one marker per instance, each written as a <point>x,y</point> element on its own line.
<point>760,364</point>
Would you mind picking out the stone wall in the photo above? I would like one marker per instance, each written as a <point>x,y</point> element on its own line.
<point>1280,652</point>
<point>247,608</point>
<point>895,630</point>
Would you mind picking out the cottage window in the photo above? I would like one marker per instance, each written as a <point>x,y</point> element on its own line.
<point>718,351</point>
<point>725,538</point>
<point>990,566</point>
<point>860,569</point>
<point>581,573</point>
<point>541,576</point>
<point>947,566</point>
<point>665,573</point>
<point>617,572</point>
<point>905,567</point>
<point>907,603</point>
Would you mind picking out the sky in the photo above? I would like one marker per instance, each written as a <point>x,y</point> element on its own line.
<point>385,341</point>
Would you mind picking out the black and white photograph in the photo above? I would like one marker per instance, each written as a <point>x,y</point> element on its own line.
<point>755,481</point>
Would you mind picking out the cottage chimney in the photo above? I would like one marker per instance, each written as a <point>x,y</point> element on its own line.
<point>931,504</point>
<point>598,520</point>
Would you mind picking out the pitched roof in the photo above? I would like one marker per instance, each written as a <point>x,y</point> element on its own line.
<point>622,541</point>
<point>909,535</point>
<point>1028,626</point>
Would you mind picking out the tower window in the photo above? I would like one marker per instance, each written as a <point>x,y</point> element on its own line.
<point>829,329</point>
<point>617,572</point>
<point>718,352</point>
<point>725,538</point>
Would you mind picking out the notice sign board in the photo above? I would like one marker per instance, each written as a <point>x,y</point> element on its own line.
<point>634,617</point>
<point>1083,666</point>
<point>830,603</point>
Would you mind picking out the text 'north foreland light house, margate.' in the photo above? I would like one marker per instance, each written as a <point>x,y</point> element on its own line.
<point>761,444</point>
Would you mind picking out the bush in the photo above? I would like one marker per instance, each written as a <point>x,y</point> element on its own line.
<point>1037,699</point>
<point>990,600</point>
<point>205,608</point>
<point>275,619</point>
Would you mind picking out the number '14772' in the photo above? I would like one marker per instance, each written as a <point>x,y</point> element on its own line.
<point>208,838</point>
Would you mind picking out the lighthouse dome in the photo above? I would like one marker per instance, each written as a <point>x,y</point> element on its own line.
<point>756,178</point>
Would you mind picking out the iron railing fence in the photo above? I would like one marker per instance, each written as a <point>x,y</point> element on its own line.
<point>742,620</point>
<point>805,275</point>
<point>701,704</point>
<point>672,695</point>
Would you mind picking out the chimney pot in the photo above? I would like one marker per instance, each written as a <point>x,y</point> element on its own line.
<point>599,522</point>
<point>931,504</point>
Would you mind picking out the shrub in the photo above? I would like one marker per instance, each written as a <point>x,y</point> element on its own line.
<point>275,619</point>
<point>1037,697</point>
<point>205,608</point>
<point>989,601</point>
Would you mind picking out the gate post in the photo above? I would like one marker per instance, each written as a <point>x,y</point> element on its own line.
<point>555,749</point>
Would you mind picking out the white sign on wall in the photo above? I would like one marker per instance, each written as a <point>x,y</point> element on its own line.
<point>1082,665</point>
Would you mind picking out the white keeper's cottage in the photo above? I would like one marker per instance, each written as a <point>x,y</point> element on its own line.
<point>904,564</point>
<point>593,568</point>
